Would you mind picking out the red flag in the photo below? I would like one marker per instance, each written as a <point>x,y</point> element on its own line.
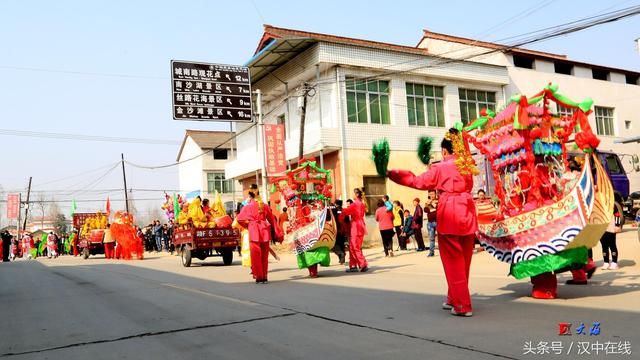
<point>108,207</point>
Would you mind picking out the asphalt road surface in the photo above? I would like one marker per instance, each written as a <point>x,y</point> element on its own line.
<point>69,308</point>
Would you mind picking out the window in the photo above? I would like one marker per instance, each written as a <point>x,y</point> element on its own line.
<point>523,62</point>
<point>220,154</point>
<point>425,101</point>
<point>368,101</point>
<point>632,79</point>
<point>599,74</point>
<point>375,187</point>
<point>604,121</point>
<point>472,101</point>
<point>564,111</point>
<point>627,124</point>
<point>217,182</point>
<point>563,68</point>
<point>613,165</point>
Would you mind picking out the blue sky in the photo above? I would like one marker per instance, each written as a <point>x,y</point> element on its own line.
<point>139,38</point>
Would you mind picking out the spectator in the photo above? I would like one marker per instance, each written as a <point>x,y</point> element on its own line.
<point>6,244</point>
<point>608,242</point>
<point>385,225</point>
<point>387,203</point>
<point>341,233</point>
<point>407,227</point>
<point>283,220</point>
<point>417,223</point>
<point>157,235</point>
<point>109,243</point>
<point>398,220</point>
<point>431,209</point>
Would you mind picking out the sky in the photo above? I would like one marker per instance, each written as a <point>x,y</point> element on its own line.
<point>102,68</point>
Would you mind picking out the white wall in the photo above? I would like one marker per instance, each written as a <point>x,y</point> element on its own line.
<point>189,173</point>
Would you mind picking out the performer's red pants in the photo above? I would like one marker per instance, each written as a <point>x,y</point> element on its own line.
<point>75,250</point>
<point>259,259</point>
<point>456,252</point>
<point>581,274</point>
<point>356,258</point>
<point>108,250</point>
<point>544,286</point>
<point>313,270</point>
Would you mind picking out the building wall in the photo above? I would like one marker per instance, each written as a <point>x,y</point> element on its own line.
<point>456,50</point>
<point>189,172</point>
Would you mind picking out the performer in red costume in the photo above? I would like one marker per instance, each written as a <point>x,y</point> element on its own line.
<point>260,222</point>
<point>357,211</point>
<point>456,217</point>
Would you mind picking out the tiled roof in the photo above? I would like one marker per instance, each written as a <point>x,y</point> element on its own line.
<point>207,139</point>
<point>272,32</point>
<point>461,40</point>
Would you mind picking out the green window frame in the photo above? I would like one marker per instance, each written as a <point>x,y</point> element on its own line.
<point>425,105</point>
<point>472,101</point>
<point>217,182</point>
<point>368,101</point>
<point>604,121</point>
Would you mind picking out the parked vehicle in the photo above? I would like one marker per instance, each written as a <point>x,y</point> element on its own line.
<point>89,243</point>
<point>202,243</point>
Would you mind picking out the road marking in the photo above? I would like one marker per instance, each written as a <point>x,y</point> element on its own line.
<point>222,297</point>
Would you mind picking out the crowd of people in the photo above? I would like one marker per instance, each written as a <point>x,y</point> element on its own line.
<point>450,214</point>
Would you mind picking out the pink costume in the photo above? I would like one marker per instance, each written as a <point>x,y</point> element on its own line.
<point>358,230</point>
<point>456,223</point>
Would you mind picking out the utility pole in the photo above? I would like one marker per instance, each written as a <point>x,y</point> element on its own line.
<point>303,116</point>
<point>124,177</point>
<point>262,147</point>
<point>26,207</point>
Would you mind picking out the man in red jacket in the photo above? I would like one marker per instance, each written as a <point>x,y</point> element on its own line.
<point>455,216</point>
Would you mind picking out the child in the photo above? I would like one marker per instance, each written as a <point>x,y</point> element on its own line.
<point>608,242</point>
<point>407,230</point>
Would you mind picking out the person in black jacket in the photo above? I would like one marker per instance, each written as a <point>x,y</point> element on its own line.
<point>6,245</point>
<point>341,237</point>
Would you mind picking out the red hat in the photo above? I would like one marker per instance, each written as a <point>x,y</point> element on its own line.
<point>416,199</point>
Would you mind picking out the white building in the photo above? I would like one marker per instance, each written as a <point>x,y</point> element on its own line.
<point>366,90</point>
<point>202,157</point>
<point>410,96</point>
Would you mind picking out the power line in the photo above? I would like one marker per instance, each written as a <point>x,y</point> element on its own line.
<point>64,136</point>
<point>126,76</point>
<point>534,36</point>
<point>148,167</point>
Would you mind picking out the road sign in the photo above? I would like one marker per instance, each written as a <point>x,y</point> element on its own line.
<point>210,92</point>
<point>13,206</point>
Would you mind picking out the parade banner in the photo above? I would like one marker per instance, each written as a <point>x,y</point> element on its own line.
<point>13,206</point>
<point>274,146</point>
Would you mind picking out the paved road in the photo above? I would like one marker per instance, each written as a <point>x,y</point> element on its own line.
<point>69,308</point>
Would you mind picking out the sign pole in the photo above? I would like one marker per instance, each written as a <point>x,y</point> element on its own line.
<point>18,220</point>
<point>263,170</point>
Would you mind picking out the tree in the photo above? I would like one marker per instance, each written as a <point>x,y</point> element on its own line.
<point>60,224</point>
<point>41,204</point>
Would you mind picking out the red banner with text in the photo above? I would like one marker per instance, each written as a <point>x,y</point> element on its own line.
<point>275,155</point>
<point>13,206</point>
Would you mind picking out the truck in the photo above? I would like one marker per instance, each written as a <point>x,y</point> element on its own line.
<point>201,243</point>
<point>611,163</point>
<point>91,243</point>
